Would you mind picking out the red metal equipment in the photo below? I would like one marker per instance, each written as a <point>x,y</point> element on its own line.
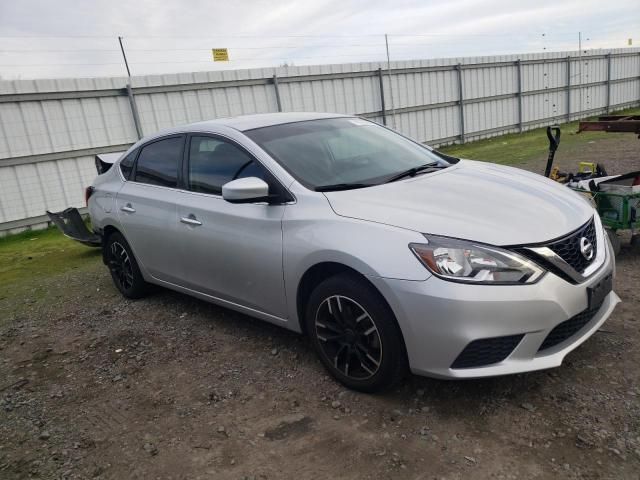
<point>612,123</point>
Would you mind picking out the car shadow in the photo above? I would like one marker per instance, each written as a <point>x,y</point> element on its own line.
<point>481,397</point>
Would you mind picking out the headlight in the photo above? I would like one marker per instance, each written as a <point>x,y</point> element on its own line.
<point>462,261</point>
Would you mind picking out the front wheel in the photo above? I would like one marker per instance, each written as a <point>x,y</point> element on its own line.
<point>123,267</point>
<point>355,334</point>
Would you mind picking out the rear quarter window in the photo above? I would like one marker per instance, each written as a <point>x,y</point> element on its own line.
<point>126,164</point>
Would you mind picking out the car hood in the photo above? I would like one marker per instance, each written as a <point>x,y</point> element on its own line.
<point>472,200</point>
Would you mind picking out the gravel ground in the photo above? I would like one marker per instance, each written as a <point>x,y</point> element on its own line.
<point>94,386</point>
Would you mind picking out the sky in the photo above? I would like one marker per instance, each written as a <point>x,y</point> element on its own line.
<point>79,38</point>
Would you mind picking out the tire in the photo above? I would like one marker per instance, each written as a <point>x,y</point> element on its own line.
<point>615,241</point>
<point>355,334</point>
<point>124,268</point>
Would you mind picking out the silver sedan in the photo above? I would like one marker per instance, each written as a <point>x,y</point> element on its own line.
<point>389,255</point>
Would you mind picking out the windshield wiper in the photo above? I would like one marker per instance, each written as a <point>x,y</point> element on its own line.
<point>412,172</point>
<point>444,156</point>
<point>341,186</point>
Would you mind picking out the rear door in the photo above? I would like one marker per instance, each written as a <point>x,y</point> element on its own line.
<point>230,251</point>
<point>147,209</point>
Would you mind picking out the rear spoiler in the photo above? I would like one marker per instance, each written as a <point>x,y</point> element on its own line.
<point>105,160</point>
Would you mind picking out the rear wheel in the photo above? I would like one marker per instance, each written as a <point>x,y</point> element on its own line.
<point>355,334</point>
<point>123,267</point>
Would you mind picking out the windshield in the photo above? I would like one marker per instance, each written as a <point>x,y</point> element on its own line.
<point>342,152</point>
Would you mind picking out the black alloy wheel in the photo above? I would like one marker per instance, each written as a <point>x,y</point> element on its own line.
<point>120,266</point>
<point>355,333</point>
<point>124,268</point>
<point>348,337</point>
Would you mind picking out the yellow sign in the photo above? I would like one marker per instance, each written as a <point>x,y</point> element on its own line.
<point>630,42</point>
<point>220,54</point>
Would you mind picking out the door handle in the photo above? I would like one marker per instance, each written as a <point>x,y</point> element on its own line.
<point>191,220</point>
<point>128,208</point>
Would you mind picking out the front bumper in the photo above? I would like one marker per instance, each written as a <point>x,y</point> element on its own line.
<point>439,319</point>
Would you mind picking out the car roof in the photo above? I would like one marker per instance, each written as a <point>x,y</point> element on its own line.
<point>249,122</point>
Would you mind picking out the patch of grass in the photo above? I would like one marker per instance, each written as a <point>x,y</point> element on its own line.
<point>39,253</point>
<point>518,148</point>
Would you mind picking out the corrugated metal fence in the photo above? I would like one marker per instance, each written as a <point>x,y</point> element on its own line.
<point>51,129</point>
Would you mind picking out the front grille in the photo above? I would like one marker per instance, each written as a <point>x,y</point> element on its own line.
<point>486,351</point>
<point>568,328</point>
<point>569,247</point>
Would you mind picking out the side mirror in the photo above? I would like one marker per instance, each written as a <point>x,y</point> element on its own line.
<point>246,190</point>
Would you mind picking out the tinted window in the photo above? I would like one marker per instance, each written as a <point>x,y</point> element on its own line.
<point>158,162</point>
<point>214,162</point>
<point>341,150</point>
<point>126,165</point>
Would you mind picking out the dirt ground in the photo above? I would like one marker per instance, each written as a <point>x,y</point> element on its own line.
<point>94,386</point>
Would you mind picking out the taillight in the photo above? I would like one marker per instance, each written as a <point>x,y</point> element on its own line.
<point>87,195</point>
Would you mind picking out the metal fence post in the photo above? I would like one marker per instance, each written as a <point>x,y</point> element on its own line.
<point>275,86</point>
<point>461,102</point>
<point>568,88</point>
<point>134,111</point>
<point>519,93</point>
<point>382,107</point>
<point>608,82</point>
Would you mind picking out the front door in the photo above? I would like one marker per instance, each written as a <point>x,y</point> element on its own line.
<point>230,251</point>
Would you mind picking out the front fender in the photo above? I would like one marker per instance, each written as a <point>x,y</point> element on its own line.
<point>372,249</point>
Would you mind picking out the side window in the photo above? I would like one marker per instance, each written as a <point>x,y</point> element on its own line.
<point>126,164</point>
<point>158,162</point>
<point>214,162</point>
